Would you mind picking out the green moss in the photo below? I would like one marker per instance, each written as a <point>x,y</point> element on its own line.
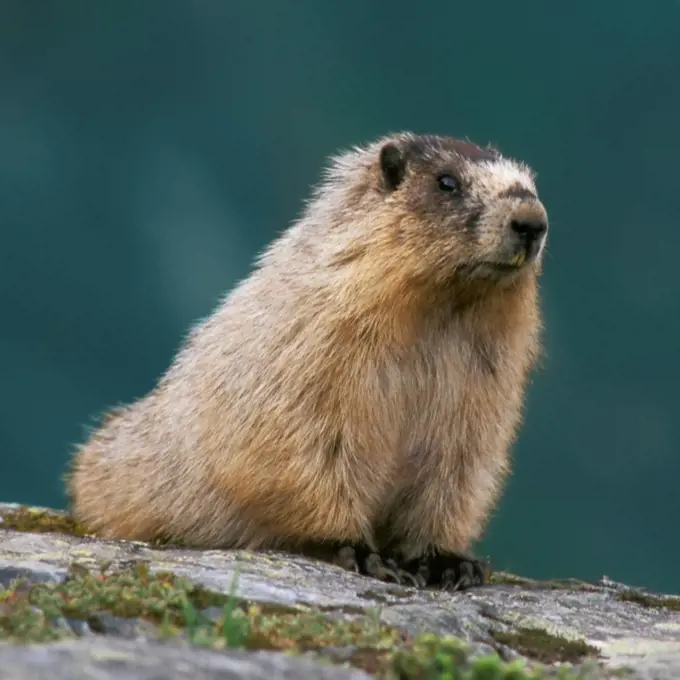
<point>28,612</point>
<point>650,601</point>
<point>31,613</point>
<point>539,644</point>
<point>33,520</point>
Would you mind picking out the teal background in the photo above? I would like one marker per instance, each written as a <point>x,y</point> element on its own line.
<point>149,150</point>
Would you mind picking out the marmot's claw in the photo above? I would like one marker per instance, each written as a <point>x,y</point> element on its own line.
<point>384,571</point>
<point>346,558</point>
<point>388,569</point>
<point>444,570</point>
<point>372,564</point>
<point>453,571</point>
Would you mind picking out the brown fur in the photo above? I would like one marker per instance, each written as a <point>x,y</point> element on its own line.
<point>364,383</point>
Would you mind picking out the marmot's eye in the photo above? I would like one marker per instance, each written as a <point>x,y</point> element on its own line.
<point>447,183</point>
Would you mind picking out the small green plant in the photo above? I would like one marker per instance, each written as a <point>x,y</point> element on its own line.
<point>235,627</point>
<point>231,630</point>
<point>434,658</point>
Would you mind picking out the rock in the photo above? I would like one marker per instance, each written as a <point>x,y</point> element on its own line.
<point>600,628</point>
<point>123,660</point>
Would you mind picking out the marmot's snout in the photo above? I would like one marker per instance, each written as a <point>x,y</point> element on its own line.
<point>526,227</point>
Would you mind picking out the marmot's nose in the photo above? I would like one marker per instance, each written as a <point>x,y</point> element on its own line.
<point>529,229</point>
<point>529,224</point>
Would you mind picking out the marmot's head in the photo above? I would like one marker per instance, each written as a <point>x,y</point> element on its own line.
<point>436,206</point>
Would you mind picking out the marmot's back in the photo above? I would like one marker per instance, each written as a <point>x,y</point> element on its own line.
<point>362,386</point>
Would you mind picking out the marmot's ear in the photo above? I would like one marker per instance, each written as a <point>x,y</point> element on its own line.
<point>392,165</point>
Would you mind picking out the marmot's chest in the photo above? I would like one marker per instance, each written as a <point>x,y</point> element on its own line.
<point>453,387</point>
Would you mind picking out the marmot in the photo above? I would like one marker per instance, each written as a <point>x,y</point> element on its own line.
<point>360,389</point>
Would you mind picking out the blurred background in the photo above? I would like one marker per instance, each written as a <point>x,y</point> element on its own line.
<point>149,150</point>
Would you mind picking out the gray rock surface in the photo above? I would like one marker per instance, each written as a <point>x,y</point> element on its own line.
<point>111,659</point>
<point>642,638</point>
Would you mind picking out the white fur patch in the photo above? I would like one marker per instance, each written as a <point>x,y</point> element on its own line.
<point>493,177</point>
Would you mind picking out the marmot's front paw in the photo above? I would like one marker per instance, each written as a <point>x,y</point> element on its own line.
<point>450,571</point>
<point>369,563</point>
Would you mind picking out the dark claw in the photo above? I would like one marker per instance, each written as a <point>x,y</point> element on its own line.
<point>407,578</point>
<point>346,558</point>
<point>372,564</point>
<point>422,575</point>
<point>375,567</point>
<point>454,572</point>
<point>388,569</point>
<point>450,571</point>
<point>443,570</point>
